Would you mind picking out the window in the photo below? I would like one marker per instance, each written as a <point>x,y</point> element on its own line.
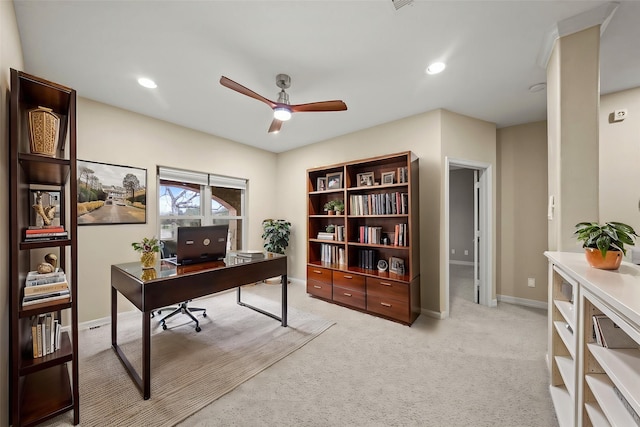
<point>193,199</point>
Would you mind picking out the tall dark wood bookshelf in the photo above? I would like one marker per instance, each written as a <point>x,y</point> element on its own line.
<point>379,194</point>
<point>43,387</point>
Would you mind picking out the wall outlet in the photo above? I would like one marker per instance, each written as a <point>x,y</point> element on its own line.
<point>466,252</point>
<point>453,251</point>
<point>619,115</point>
<point>531,282</point>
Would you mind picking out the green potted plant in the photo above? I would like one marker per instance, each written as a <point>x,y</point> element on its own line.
<point>604,244</point>
<point>275,233</point>
<point>338,206</point>
<point>334,207</point>
<point>148,249</point>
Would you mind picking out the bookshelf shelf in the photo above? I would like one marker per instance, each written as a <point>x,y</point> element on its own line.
<point>371,213</point>
<point>43,387</point>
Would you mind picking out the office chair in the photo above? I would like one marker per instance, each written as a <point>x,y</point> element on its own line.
<point>183,307</point>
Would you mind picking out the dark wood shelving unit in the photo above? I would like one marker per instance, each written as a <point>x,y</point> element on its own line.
<point>395,296</point>
<point>44,387</point>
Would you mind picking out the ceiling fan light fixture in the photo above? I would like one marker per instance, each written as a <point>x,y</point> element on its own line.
<point>148,83</point>
<point>281,113</point>
<point>436,67</point>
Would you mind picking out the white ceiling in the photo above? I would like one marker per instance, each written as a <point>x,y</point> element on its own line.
<point>363,52</point>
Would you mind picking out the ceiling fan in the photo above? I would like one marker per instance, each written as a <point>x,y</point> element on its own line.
<point>282,110</point>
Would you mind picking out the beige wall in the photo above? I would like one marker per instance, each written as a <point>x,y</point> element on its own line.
<point>10,57</point>
<point>423,134</point>
<point>110,135</point>
<point>466,138</point>
<point>573,93</point>
<point>522,211</point>
<point>620,159</point>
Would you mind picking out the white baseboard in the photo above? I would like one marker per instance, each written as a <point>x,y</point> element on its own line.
<point>453,261</point>
<point>435,314</point>
<point>523,301</point>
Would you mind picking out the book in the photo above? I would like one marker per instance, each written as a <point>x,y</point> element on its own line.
<point>34,336</point>
<point>31,236</point>
<point>44,296</point>
<point>47,299</point>
<point>46,339</point>
<point>45,230</point>
<point>322,235</point>
<point>253,254</point>
<point>35,279</point>
<point>36,228</point>
<point>39,334</point>
<point>610,335</point>
<point>45,288</point>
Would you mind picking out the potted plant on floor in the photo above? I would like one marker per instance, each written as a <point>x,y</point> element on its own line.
<point>604,244</point>
<point>276,233</point>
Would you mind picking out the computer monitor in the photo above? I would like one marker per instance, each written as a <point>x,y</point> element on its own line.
<point>201,244</point>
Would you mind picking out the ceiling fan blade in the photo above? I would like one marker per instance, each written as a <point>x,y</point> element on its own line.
<point>224,81</point>
<point>275,126</point>
<point>335,105</point>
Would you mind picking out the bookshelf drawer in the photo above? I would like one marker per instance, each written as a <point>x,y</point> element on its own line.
<point>319,274</point>
<point>319,289</point>
<point>388,289</point>
<point>349,280</point>
<point>389,307</point>
<point>349,297</point>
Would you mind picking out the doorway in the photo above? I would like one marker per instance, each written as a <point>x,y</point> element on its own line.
<point>473,267</point>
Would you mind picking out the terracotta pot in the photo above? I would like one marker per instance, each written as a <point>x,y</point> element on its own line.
<point>611,261</point>
<point>331,212</point>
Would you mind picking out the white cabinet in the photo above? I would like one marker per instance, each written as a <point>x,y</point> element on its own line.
<point>563,291</point>
<point>592,385</point>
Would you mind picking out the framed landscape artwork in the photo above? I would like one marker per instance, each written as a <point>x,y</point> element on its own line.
<point>111,194</point>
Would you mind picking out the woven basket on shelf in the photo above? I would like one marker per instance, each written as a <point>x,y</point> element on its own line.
<point>44,128</point>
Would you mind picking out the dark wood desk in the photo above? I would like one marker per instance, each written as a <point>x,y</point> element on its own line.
<point>167,284</point>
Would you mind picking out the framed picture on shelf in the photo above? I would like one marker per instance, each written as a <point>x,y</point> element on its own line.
<point>111,194</point>
<point>396,265</point>
<point>364,179</point>
<point>321,184</point>
<point>334,180</point>
<point>388,177</point>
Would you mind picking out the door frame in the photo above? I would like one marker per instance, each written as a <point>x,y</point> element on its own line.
<point>486,228</point>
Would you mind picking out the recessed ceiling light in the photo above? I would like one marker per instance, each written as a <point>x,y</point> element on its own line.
<point>148,83</point>
<point>537,87</point>
<point>436,68</point>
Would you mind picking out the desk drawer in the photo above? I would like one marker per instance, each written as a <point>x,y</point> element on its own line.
<point>348,280</point>
<point>388,289</point>
<point>349,297</point>
<point>319,274</point>
<point>389,307</point>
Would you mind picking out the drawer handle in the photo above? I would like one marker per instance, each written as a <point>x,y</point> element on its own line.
<point>347,295</point>
<point>385,304</point>
<point>385,284</point>
<point>317,287</point>
<point>317,271</point>
<point>348,277</point>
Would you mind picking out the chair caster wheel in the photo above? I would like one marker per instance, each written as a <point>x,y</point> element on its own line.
<point>164,327</point>
<point>204,314</point>
<point>198,329</point>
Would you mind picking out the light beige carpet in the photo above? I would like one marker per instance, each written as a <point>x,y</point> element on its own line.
<point>189,370</point>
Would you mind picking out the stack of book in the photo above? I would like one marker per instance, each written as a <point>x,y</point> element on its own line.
<point>250,254</point>
<point>45,287</point>
<point>45,233</point>
<point>45,334</point>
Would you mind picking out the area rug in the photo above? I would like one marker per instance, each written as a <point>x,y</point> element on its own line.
<point>189,369</point>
